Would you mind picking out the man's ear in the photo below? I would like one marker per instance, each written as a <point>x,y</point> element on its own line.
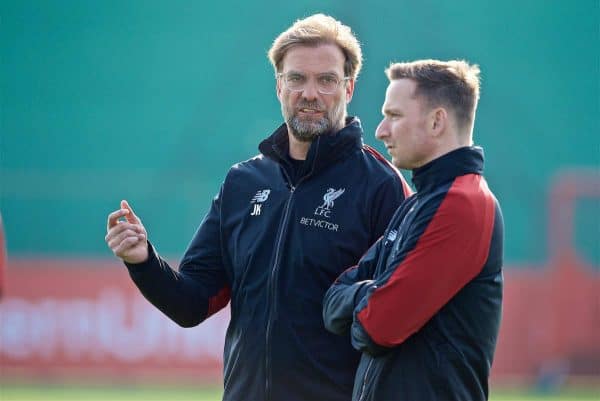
<point>349,90</point>
<point>438,121</point>
<point>278,88</point>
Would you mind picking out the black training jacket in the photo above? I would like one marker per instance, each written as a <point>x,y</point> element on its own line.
<point>424,303</point>
<point>273,249</point>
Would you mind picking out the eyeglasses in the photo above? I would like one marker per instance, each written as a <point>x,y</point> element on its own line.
<point>327,84</point>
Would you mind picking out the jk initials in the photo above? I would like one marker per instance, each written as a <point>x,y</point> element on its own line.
<point>256,210</point>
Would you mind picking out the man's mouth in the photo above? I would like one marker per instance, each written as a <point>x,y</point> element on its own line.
<point>310,111</point>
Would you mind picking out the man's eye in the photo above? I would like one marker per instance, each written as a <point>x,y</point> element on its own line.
<point>295,78</point>
<point>328,79</point>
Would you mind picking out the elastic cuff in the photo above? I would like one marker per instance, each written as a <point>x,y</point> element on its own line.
<point>144,266</point>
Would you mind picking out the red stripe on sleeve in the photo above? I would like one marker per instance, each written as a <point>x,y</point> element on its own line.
<point>217,302</point>
<point>452,251</point>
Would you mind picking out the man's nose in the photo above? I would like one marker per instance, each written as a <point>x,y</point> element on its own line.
<point>382,130</point>
<point>310,91</point>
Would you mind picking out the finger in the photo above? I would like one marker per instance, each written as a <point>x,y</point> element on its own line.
<point>113,218</point>
<point>117,239</point>
<point>122,226</point>
<point>126,245</point>
<point>131,216</point>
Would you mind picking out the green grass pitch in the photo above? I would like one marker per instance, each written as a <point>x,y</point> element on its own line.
<point>9,392</point>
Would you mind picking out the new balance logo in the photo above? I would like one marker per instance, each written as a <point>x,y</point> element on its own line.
<point>261,196</point>
<point>257,201</point>
<point>392,235</point>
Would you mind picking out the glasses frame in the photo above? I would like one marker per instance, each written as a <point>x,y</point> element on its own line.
<point>282,75</point>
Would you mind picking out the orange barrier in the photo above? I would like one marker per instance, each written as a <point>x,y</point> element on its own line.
<point>551,313</point>
<point>2,257</point>
<point>65,318</point>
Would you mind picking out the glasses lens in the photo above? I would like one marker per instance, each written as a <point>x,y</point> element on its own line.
<point>326,84</point>
<point>295,82</point>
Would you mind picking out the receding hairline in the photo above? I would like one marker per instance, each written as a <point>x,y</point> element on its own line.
<point>315,30</point>
<point>313,46</point>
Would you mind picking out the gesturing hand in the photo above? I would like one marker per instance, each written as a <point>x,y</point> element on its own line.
<point>127,238</point>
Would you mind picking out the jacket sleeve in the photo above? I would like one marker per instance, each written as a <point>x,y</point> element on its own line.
<point>200,287</point>
<point>341,298</point>
<point>446,246</point>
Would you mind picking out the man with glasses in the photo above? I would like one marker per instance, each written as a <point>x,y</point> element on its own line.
<point>284,225</point>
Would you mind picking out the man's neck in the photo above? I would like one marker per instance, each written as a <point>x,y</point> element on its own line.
<point>449,142</point>
<point>298,149</point>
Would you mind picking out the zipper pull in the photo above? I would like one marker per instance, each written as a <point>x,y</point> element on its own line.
<point>292,189</point>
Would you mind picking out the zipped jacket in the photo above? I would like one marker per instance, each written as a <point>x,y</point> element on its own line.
<point>273,248</point>
<point>424,303</point>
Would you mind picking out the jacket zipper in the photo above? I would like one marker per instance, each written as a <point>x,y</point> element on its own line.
<point>272,294</point>
<point>364,385</point>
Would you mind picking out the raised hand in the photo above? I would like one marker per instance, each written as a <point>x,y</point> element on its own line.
<point>127,238</point>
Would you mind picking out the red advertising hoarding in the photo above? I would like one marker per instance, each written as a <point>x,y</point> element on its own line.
<point>86,318</point>
<point>74,318</point>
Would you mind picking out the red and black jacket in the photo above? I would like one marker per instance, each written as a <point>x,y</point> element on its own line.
<point>273,246</point>
<point>424,303</point>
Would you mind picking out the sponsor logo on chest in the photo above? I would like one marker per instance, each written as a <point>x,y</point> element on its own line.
<point>323,211</point>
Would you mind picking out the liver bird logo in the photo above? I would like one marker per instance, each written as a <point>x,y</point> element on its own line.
<point>330,196</point>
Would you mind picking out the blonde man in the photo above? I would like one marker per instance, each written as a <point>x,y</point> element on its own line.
<point>283,226</point>
<point>424,304</point>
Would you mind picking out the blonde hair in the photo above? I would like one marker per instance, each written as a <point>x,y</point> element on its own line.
<point>316,30</point>
<point>454,84</point>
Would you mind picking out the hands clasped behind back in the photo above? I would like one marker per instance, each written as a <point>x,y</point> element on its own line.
<point>127,238</point>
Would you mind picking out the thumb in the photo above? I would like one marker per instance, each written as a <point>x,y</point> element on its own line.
<point>131,216</point>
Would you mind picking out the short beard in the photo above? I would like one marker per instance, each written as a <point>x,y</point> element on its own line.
<point>307,131</point>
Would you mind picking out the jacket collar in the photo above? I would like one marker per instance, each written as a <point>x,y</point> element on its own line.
<point>461,161</point>
<point>324,150</point>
